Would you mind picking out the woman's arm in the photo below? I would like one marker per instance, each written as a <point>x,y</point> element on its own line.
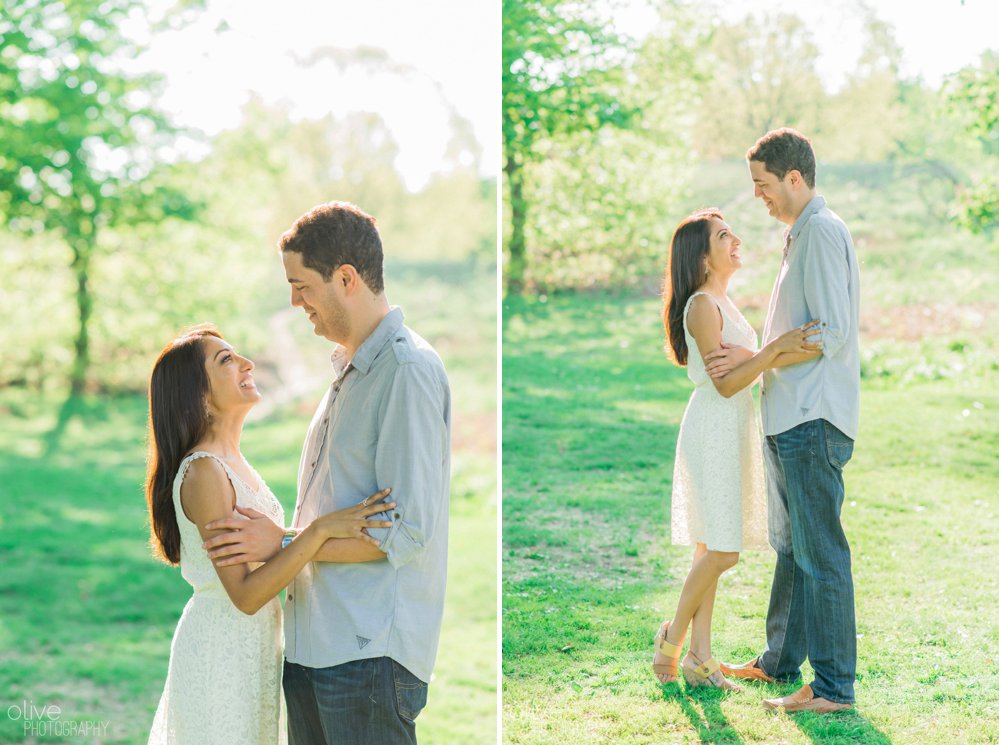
<point>207,495</point>
<point>729,380</point>
<point>258,539</point>
<point>786,359</point>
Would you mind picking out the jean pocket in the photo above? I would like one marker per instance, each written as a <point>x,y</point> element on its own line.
<point>410,692</point>
<point>839,447</point>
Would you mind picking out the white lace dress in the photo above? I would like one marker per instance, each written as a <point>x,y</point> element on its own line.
<point>719,496</point>
<point>223,684</point>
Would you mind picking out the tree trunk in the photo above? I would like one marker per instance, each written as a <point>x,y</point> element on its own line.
<point>83,248</point>
<point>518,210</point>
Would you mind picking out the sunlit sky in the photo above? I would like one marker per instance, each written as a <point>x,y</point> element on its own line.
<point>937,37</point>
<point>445,54</point>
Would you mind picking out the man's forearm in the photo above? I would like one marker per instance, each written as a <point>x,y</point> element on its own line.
<point>348,551</point>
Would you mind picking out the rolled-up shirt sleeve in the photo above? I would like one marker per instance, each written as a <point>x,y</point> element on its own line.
<point>412,447</point>
<point>826,284</point>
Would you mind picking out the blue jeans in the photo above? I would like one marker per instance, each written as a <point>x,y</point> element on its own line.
<point>357,703</point>
<point>811,611</point>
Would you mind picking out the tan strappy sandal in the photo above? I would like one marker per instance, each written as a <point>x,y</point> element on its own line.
<point>672,651</point>
<point>707,673</point>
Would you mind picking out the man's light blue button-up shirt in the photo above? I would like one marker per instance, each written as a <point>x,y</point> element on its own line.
<point>384,422</point>
<point>818,278</point>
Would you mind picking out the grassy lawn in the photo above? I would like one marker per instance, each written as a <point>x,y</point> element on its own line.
<point>87,615</point>
<point>591,411</point>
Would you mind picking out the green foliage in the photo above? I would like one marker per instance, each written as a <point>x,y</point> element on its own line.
<point>975,95</point>
<point>562,75</point>
<point>80,136</point>
<point>595,187</point>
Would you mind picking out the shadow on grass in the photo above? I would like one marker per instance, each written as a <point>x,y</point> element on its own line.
<point>74,406</point>
<point>834,729</point>
<point>702,707</point>
<point>709,721</point>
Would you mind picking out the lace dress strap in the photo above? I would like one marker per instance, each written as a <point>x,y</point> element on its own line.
<point>185,464</point>
<point>238,482</point>
<point>690,300</point>
<point>191,457</point>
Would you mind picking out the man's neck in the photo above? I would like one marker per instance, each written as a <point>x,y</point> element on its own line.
<point>364,324</point>
<point>799,207</point>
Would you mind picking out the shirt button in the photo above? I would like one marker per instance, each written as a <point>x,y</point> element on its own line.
<point>395,515</point>
<point>290,598</point>
<point>313,464</point>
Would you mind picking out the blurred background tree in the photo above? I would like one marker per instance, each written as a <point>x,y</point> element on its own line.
<point>974,95</point>
<point>594,207</point>
<point>562,77</point>
<point>82,139</point>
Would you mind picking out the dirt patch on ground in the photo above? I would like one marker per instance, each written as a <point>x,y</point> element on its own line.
<point>593,553</point>
<point>474,432</point>
<point>930,320</point>
<point>906,322</point>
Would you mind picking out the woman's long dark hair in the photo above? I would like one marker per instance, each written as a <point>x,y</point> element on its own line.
<point>685,272</point>
<point>178,419</point>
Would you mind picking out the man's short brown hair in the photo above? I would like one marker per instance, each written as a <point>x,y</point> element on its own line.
<point>785,149</point>
<point>337,233</point>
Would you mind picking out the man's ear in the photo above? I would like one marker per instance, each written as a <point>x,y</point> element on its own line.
<point>348,277</point>
<point>794,178</point>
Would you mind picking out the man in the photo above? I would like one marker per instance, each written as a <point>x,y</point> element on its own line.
<point>361,623</point>
<point>810,416</point>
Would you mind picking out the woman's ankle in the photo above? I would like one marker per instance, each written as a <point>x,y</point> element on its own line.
<point>674,635</point>
<point>699,653</point>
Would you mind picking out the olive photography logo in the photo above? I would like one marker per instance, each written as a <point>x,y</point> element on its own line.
<point>43,720</point>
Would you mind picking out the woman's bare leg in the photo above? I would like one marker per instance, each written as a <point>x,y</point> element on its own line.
<point>703,577</point>
<point>700,624</point>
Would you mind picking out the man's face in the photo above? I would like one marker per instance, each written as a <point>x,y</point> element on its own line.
<point>322,301</point>
<point>775,193</point>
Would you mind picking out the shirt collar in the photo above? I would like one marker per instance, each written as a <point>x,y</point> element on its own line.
<point>370,347</point>
<point>816,203</point>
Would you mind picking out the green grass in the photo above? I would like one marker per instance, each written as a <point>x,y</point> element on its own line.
<point>87,615</point>
<point>591,409</point>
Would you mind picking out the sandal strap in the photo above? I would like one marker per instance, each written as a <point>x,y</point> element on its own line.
<point>707,668</point>
<point>667,649</point>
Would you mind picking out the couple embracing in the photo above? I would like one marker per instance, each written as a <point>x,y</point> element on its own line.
<point>810,396</point>
<point>364,558</point>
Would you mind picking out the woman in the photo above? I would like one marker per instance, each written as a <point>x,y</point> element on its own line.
<point>718,490</point>
<point>224,679</point>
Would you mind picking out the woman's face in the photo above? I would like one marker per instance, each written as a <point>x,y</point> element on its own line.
<point>723,251</point>
<point>230,376</point>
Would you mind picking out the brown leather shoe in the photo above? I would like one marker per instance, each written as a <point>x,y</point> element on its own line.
<point>804,700</point>
<point>747,671</point>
